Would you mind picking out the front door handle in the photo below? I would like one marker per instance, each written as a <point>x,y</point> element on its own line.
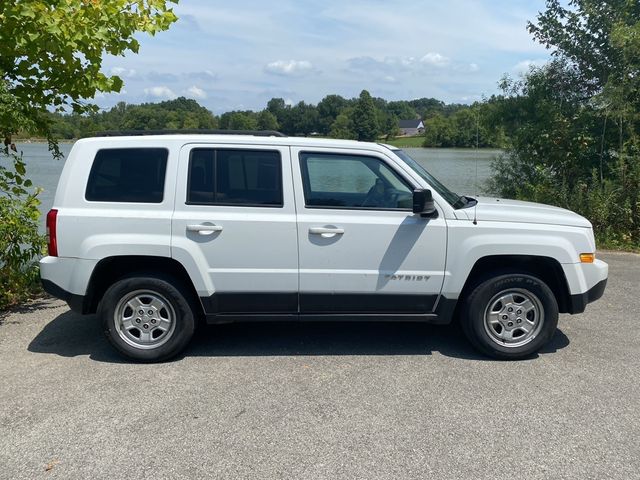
<point>326,231</point>
<point>205,229</point>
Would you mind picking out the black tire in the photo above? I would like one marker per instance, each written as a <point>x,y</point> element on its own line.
<point>484,335</point>
<point>148,288</point>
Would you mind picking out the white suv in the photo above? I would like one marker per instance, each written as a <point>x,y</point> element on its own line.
<point>157,232</point>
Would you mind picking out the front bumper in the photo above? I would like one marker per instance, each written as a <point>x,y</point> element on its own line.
<point>579,302</point>
<point>586,282</point>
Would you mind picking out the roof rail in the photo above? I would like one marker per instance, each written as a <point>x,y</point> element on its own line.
<point>127,133</point>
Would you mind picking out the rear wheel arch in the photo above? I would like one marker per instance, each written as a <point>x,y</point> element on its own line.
<point>111,269</point>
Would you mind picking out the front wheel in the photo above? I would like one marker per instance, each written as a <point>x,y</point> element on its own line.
<point>147,318</point>
<point>510,316</point>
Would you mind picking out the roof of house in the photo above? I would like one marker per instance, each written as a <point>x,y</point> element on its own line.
<point>410,123</point>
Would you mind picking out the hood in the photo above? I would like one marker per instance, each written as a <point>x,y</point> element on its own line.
<point>501,210</point>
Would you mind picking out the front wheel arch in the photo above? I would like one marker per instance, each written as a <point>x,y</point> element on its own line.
<point>547,269</point>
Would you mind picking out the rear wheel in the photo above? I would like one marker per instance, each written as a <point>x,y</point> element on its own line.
<point>510,316</point>
<point>147,318</point>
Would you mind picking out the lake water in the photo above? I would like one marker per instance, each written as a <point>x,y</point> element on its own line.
<point>456,168</point>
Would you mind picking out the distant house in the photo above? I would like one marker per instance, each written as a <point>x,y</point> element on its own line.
<point>411,127</point>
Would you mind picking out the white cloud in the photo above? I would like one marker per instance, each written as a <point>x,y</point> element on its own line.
<point>289,67</point>
<point>525,65</point>
<point>473,67</point>
<point>123,72</point>
<point>288,102</point>
<point>206,76</point>
<point>234,58</point>
<point>196,92</point>
<point>160,92</point>
<point>435,59</point>
<point>392,64</point>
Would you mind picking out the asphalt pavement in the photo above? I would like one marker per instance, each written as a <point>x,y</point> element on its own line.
<point>339,400</point>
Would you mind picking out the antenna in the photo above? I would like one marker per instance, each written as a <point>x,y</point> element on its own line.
<point>475,207</point>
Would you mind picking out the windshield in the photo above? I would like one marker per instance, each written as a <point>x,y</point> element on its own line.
<point>453,199</point>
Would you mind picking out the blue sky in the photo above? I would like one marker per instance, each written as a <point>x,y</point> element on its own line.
<point>238,55</point>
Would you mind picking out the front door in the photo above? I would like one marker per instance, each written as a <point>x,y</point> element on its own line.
<point>362,250</point>
<point>235,221</point>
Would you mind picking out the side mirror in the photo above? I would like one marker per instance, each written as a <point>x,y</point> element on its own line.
<point>423,203</point>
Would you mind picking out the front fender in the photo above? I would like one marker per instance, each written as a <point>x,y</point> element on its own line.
<point>468,243</point>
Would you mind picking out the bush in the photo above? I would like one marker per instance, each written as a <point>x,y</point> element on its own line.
<point>21,244</point>
<point>612,204</point>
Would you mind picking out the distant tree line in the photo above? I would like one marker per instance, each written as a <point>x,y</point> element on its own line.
<point>176,114</point>
<point>364,118</point>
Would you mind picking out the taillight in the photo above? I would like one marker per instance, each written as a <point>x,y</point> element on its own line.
<point>52,245</point>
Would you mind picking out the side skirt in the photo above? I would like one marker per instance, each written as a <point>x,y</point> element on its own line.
<point>335,317</point>
<point>443,314</point>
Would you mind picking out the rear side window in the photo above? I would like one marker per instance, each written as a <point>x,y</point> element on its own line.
<point>128,175</point>
<point>235,178</point>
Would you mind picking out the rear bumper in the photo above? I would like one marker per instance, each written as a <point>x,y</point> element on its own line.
<point>67,279</point>
<point>579,302</point>
<point>75,302</point>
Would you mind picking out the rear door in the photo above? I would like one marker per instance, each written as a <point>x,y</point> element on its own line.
<point>235,216</point>
<point>362,250</point>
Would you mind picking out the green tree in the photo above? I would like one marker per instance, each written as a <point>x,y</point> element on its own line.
<point>303,119</point>
<point>390,125</point>
<point>267,121</point>
<point>582,32</point>
<point>428,107</point>
<point>50,59</point>
<point>438,132</point>
<point>343,127</point>
<point>51,52</point>
<point>328,110</point>
<point>365,123</point>
<point>246,120</point>
<point>574,125</point>
<point>282,111</point>
<point>20,241</point>
<point>402,110</point>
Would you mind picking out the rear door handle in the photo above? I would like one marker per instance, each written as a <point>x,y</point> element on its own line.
<point>326,231</point>
<point>205,229</point>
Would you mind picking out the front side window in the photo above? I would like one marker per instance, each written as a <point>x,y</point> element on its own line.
<point>128,175</point>
<point>352,181</point>
<point>235,177</point>
<point>455,200</point>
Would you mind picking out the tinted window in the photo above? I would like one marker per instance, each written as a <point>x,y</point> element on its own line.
<point>350,181</point>
<point>128,175</point>
<point>235,177</point>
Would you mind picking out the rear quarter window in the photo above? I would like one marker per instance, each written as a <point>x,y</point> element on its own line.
<point>133,175</point>
<point>242,178</point>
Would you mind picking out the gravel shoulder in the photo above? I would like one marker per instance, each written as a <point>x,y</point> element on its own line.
<point>361,400</point>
